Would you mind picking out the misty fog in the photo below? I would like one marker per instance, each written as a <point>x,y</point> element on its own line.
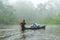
<point>14,11</point>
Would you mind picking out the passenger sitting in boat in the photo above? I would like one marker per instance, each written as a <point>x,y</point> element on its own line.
<point>35,25</point>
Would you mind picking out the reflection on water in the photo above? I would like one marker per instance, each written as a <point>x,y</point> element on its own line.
<point>14,33</point>
<point>23,36</point>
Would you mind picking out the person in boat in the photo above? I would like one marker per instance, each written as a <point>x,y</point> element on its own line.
<point>23,25</point>
<point>35,25</point>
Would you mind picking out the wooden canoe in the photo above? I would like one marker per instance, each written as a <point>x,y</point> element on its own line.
<point>42,27</point>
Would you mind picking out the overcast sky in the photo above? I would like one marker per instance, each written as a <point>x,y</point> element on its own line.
<point>35,2</point>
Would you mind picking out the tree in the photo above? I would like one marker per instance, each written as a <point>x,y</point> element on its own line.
<point>7,14</point>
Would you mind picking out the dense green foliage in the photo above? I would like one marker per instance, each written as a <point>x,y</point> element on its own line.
<point>55,21</point>
<point>25,10</point>
<point>7,15</point>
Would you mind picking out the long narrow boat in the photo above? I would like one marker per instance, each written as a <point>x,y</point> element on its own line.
<point>42,27</point>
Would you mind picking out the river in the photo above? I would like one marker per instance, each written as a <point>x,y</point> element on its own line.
<point>13,32</point>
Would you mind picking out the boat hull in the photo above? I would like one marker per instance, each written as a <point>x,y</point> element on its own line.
<point>43,27</point>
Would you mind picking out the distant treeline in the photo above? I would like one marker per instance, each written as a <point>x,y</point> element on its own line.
<point>25,10</point>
